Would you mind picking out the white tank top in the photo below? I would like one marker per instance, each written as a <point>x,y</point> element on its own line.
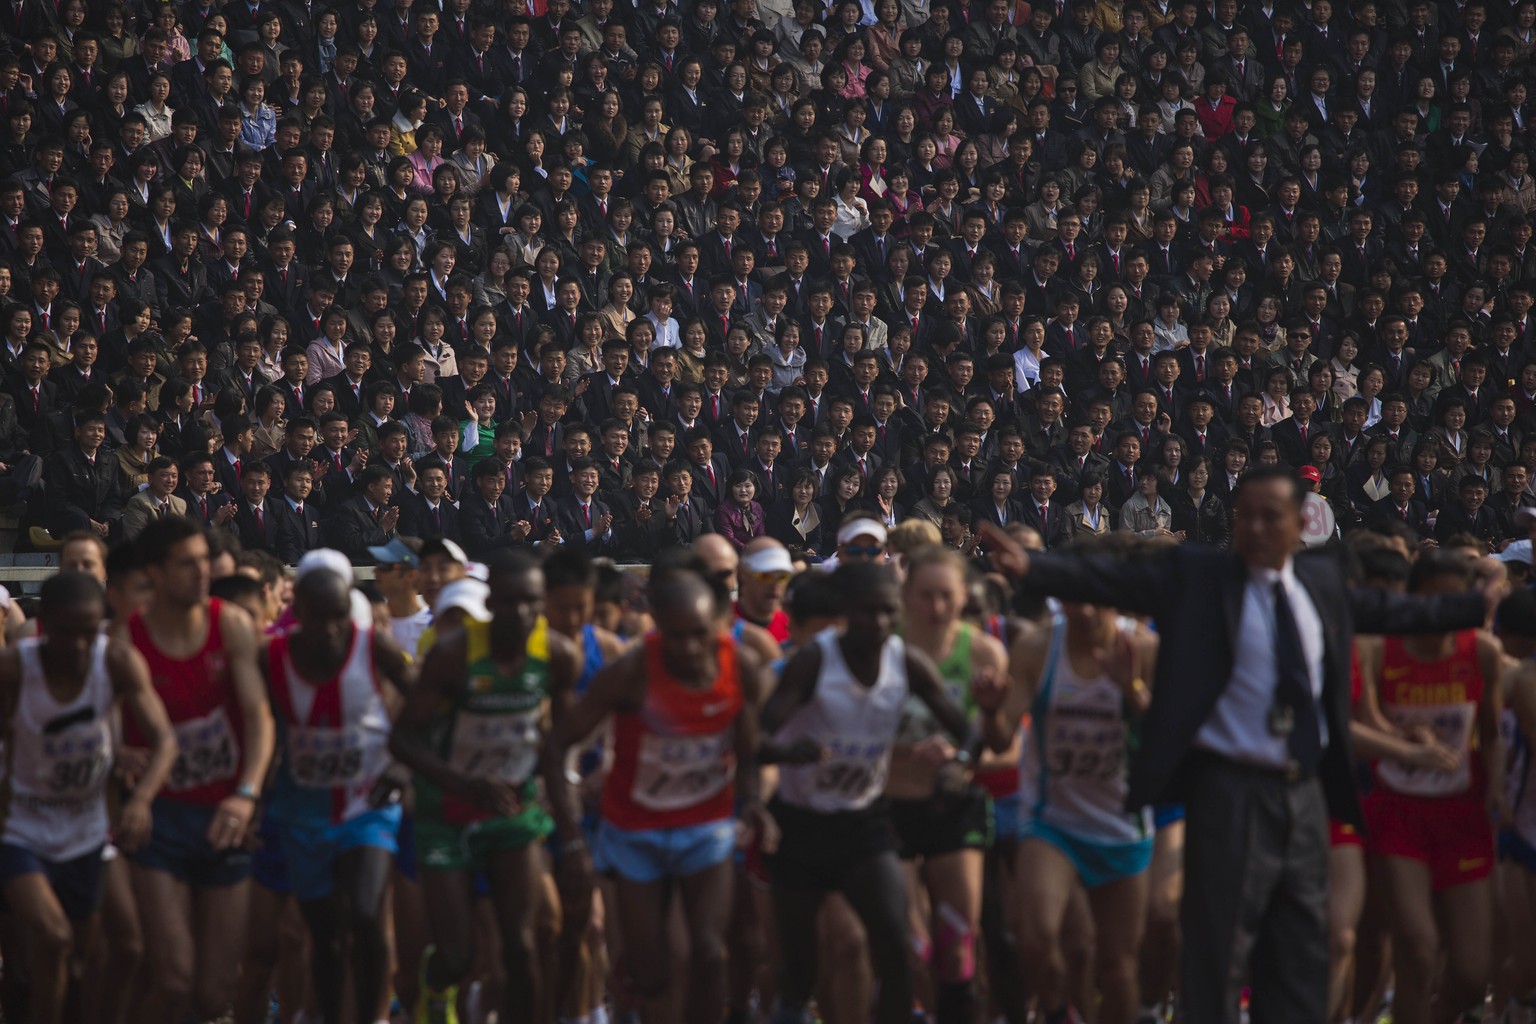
<point>56,761</point>
<point>855,724</point>
<point>1074,772</point>
<point>335,735</point>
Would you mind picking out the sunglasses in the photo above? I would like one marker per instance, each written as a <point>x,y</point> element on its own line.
<point>858,550</point>
<point>770,577</point>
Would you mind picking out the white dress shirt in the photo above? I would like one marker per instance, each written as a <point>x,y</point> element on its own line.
<point>1238,728</point>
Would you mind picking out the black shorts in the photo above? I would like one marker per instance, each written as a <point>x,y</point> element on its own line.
<point>77,883</point>
<point>943,824</point>
<point>821,851</point>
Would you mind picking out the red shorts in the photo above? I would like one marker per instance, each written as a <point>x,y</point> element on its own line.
<point>1341,833</point>
<point>1452,835</point>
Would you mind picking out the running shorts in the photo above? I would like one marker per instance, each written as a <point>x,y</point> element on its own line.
<point>1097,863</point>
<point>179,846</point>
<point>652,854</point>
<point>819,851</point>
<point>1516,850</point>
<point>444,847</point>
<point>943,824</point>
<point>312,850</point>
<point>77,882</point>
<point>1342,833</point>
<point>1451,835</point>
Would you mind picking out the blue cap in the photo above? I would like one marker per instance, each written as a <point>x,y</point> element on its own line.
<point>395,553</point>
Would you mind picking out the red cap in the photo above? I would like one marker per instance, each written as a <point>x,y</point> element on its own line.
<point>1311,473</point>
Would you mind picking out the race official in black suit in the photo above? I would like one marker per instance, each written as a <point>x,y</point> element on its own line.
<point>1248,727</point>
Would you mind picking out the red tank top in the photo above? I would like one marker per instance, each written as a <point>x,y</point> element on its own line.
<point>1442,696</point>
<point>200,701</point>
<point>674,760</point>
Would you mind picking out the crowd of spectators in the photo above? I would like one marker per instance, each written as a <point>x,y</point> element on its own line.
<point>611,275</point>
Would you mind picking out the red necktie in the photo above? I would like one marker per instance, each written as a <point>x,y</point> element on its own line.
<point>714,405</point>
<point>261,524</point>
<point>458,126</point>
<point>586,513</point>
<point>202,504</point>
<point>237,468</point>
<point>34,401</point>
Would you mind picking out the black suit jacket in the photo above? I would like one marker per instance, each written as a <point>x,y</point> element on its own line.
<point>573,525</point>
<point>484,528</point>
<point>195,510</point>
<point>1196,593</point>
<point>353,530</point>
<point>264,539</point>
<point>75,486</point>
<point>416,519</point>
<point>295,534</point>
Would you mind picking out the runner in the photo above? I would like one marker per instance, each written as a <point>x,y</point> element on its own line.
<point>570,598</point>
<point>61,689</point>
<point>504,684</point>
<point>192,878</point>
<point>833,719</point>
<point>684,708</point>
<point>1083,682</point>
<point>942,837</point>
<point>333,686</point>
<point>1429,827</point>
<point>1517,844</point>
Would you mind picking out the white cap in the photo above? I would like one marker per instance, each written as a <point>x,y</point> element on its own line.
<point>328,559</point>
<point>862,527</point>
<point>1518,551</point>
<point>468,596</point>
<point>769,558</point>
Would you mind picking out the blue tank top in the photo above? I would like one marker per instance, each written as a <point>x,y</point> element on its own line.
<point>592,662</point>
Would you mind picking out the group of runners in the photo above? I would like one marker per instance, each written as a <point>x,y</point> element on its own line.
<point>535,791</point>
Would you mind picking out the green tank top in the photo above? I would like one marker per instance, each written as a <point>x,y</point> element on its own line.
<point>917,722</point>
<point>494,728</point>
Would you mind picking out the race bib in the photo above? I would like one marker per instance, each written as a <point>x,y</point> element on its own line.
<point>853,773</point>
<point>676,772</point>
<point>329,758</point>
<point>75,762</point>
<point>1452,726</point>
<point>207,752</point>
<point>1084,750</point>
<point>500,747</point>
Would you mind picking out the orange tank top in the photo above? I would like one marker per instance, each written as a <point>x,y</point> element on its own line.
<point>674,759</point>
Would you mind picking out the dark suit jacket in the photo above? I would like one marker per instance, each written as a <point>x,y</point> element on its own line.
<point>266,538</point>
<point>416,519</point>
<point>573,525</point>
<point>295,534</point>
<point>194,509</point>
<point>1196,592</point>
<point>484,528</point>
<point>353,531</point>
<point>1058,526</point>
<point>75,487</point>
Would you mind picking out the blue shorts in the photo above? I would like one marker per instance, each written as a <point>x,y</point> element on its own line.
<point>649,855</point>
<point>76,883</point>
<point>312,850</point>
<point>1516,850</point>
<point>269,868</point>
<point>1097,864</point>
<point>1005,814</point>
<point>1164,815</point>
<point>179,846</point>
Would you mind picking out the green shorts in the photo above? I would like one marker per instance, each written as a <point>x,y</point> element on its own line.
<point>444,847</point>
